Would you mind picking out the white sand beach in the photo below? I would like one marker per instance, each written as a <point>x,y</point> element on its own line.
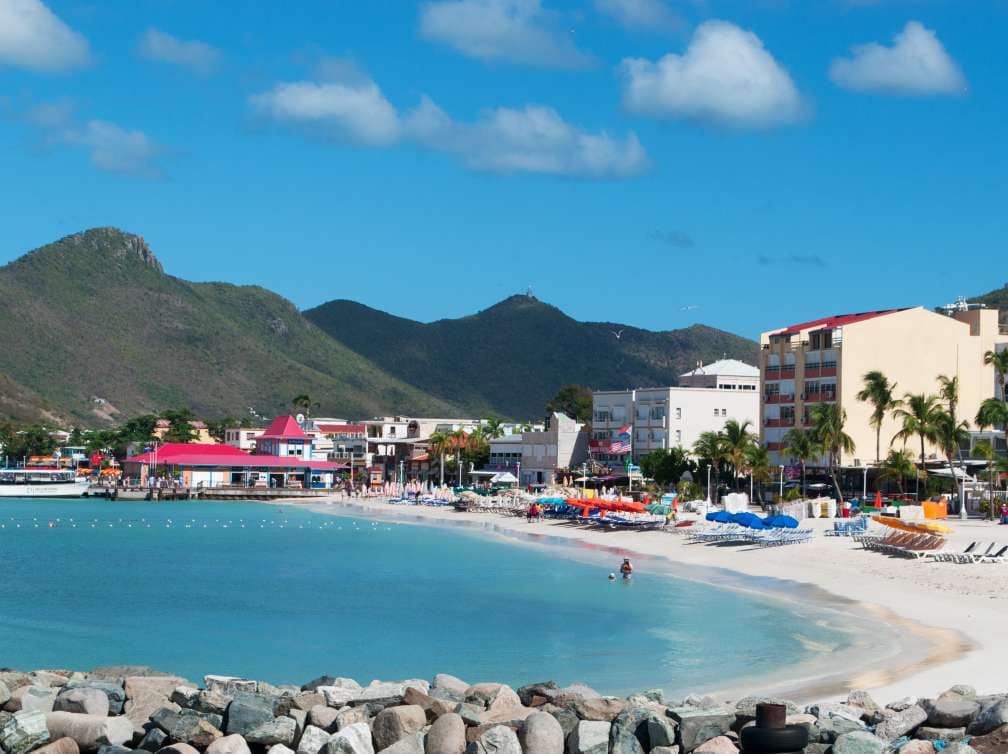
<point>951,616</point>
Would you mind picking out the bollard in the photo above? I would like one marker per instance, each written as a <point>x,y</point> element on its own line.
<point>771,734</point>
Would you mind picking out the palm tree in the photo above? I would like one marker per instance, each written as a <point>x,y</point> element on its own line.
<point>985,449</point>
<point>828,421</point>
<point>736,440</point>
<point>757,461</point>
<point>917,414</point>
<point>898,465</point>
<point>304,403</point>
<point>437,445</point>
<point>999,360</point>
<point>709,446</point>
<point>950,436</point>
<point>948,390</point>
<point>881,394</point>
<point>493,428</point>
<point>993,412</point>
<point>802,447</point>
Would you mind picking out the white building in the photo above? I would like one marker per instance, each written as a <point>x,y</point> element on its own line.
<point>537,457</point>
<point>668,417</point>
<point>243,438</point>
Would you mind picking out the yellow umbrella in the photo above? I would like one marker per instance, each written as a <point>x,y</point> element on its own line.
<point>915,527</point>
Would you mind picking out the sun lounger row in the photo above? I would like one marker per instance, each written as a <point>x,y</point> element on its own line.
<point>904,543</point>
<point>760,537</point>
<point>975,552</point>
<point>850,528</point>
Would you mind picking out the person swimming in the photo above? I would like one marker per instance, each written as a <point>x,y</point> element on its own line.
<point>627,568</point>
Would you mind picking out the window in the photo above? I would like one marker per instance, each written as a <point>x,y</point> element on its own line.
<point>602,414</point>
<point>642,413</point>
<point>678,436</point>
<point>724,412</point>
<point>619,413</point>
<point>678,413</point>
<point>658,413</point>
<point>715,412</point>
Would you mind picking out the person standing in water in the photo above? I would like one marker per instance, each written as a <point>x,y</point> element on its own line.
<point>627,568</point>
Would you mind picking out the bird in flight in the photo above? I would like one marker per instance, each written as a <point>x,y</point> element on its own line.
<point>618,334</point>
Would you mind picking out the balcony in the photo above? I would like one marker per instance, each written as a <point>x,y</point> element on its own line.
<point>823,396</point>
<point>827,369</point>
<point>775,446</point>
<point>784,421</point>
<point>779,373</point>
<point>779,398</point>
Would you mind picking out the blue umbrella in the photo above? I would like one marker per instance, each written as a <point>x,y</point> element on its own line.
<point>782,522</point>
<point>720,517</point>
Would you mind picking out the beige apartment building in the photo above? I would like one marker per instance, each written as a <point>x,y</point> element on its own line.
<point>825,360</point>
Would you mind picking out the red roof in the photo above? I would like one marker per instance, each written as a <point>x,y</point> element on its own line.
<point>284,428</point>
<point>836,320</point>
<point>341,429</point>
<point>203,454</point>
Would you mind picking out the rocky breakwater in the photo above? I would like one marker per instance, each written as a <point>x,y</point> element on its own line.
<point>119,710</point>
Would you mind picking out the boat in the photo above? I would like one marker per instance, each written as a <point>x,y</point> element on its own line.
<point>42,482</point>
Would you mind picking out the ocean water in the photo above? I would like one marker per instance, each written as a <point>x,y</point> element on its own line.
<point>283,594</point>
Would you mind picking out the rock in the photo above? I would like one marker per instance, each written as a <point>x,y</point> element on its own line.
<point>137,685</point>
<point>5,693</point>
<point>697,725</point>
<point>963,690</point>
<point>661,730</point>
<point>411,744</point>
<point>536,694</point>
<point>184,696</point>
<point>229,684</point>
<point>579,689</point>
<point>24,731</point>
<point>990,718</point>
<point>832,727</point>
<point>179,748</point>
<point>354,739</point>
<point>300,718</point>
<point>540,733</point>
<point>153,740</point>
<point>33,699</point>
<point>835,709</point>
<point>859,742</point>
<point>110,749</point>
<point>89,731</point>
<point>322,680</point>
<point>312,740</point>
<point>917,747</point>
<point>87,701</point>
<point>447,734</point>
<point>383,693</point>
<point>598,708</point>
<point>324,717</point>
<point>717,745</point>
<point>899,706</point>
<point>339,691</point>
<point>113,690</point>
<point>59,746</point>
<point>746,707</point>
<point>500,739</point>
<point>995,742</point>
<point>949,735</point>
<point>48,678</point>
<point>247,711</point>
<point>959,748</point>
<point>139,709</point>
<point>629,732</point>
<point>589,737</point>
<point>308,699</point>
<point>445,682</point>
<point>664,750</point>
<point>394,723</point>
<point>818,748</point>
<point>233,744</point>
<point>900,723</point>
<point>278,730</point>
<point>196,728</point>
<point>350,716</point>
<point>471,713</point>
<point>279,749</point>
<point>952,711</point>
<point>211,702</point>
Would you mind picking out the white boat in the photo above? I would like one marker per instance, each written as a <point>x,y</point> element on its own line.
<point>42,482</point>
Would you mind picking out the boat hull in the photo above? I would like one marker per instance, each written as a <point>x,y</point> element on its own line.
<point>42,489</point>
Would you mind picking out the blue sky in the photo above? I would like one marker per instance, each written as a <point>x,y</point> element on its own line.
<point>655,162</point>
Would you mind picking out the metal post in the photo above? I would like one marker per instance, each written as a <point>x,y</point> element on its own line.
<point>864,485</point>
<point>782,482</point>
<point>710,499</point>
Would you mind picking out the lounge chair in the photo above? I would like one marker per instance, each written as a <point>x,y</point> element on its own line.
<point>997,557</point>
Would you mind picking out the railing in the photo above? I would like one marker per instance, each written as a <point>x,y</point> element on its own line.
<point>779,422</point>
<point>779,373</point>
<point>823,396</point>
<point>780,398</point>
<point>775,446</point>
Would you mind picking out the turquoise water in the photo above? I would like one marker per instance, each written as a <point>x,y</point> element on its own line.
<point>285,595</point>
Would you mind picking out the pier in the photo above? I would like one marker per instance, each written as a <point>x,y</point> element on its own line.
<point>203,493</point>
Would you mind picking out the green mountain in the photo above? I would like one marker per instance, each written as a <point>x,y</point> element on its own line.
<point>92,331</point>
<point>997,299</point>
<point>512,358</point>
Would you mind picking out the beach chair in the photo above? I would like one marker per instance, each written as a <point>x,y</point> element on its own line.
<point>952,556</point>
<point>995,557</point>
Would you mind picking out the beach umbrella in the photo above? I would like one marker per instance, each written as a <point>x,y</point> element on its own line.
<point>720,517</point>
<point>782,522</point>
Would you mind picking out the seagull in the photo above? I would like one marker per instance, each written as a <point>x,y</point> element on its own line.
<point>618,335</point>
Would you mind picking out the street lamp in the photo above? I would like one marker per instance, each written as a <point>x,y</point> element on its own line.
<point>710,500</point>
<point>782,482</point>
<point>864,485</point>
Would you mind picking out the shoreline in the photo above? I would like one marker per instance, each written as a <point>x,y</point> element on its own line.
<point>927,647</point>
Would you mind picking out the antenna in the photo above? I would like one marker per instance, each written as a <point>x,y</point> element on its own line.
<point>528,291</point>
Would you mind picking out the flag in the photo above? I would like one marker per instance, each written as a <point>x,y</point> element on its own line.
<point>621,443</point>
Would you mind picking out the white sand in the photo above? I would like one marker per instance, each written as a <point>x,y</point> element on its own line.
<point>952,615</point>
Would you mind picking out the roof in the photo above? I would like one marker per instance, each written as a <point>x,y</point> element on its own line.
<point>338,429</point>
<point>284,428</point>
<point>204,454</point>
<point>732,367</point>
<point>836,320</point>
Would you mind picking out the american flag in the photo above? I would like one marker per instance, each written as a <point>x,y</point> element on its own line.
<point>621,443</point>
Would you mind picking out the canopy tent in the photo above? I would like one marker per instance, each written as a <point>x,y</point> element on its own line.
<point>504,477</point>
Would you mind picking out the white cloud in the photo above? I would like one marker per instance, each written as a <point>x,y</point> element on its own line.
<point>31,36</point>
<point>533,139</point>
<point>195,55</point>
<point>514,31</point>
<point>649,15</point>
<point>915,64</point>
<point>725,76</point>
<point>115,150</point>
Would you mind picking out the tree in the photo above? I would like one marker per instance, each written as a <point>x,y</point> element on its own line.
<point>898,465</point>
<point>985,449</point>
<point>736,440</point>
<point>993,412</point>
<point>999,360</point>
<point>573,400</point>
<point>828,421</point>
<point>917,413</point>
<point>880,393</point>
<point>217,428</point>
<point>76,438</point>
<point>303,404</point>
<point>950,435</point>
<point>181,428</point>
<point>492,428</point>
<point>666,466</point>
<point>710,447</point>
<point>801,446</point>
<point>948,390</point>
<point>30,440</point>
<point>437,447</point>
<point>757,462</point>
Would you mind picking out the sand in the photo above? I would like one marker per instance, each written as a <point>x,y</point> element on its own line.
<point>950,616</point>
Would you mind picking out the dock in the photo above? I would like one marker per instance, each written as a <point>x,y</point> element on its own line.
<point>203,493</point>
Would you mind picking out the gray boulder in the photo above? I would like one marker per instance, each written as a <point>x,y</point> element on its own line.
<point>500,739</point>
<point>598,708</point>
<point>4,693</point>
<point>949,735</point>
<point>411,744</point>
<point>86,701</point>
<point>312,740</point>
<point>589,737</point>
<point>394,723</point>
<point>324,717</point>
<point>831,727</point>
<point>859,742</point>
<point>354,739</point>
<point>990,718</point>
<point>233,744</point>
<point>951,711</point>
<point>898,724</point>
<point>35,698</point>
<point>178,748</point>
<point>534,694</point>
<point>89,731</point>
<point>23,732</point>
<point>188,726</point>
<point>661,730</point>
<point>672,750</point>
<point>540,733</point>
<point>212,702</point>
<point>247,711</point>
<point>229,684</point>
<point>348,716</point>
<point>110,749</point>
<point>959,748</point>
<point>446,735</point>
<point>746,707</point>
<point>279,749</point>
<point>629,732</point>
<point>153,740</point>
<point>449,683</point>
<point>277,730</point>
<point>339,691</point>
<point>697,724</point>
<point>964,690</point>
<point>114,691</point>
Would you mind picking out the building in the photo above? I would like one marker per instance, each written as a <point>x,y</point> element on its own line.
<point>393,442</point>
<point>204,465</point>
<point>661,418</point>
<point>284,437</point>
<point>541,457</point>
<point>200,431</point>
<point>243,438</point>
<point>824,361</point>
